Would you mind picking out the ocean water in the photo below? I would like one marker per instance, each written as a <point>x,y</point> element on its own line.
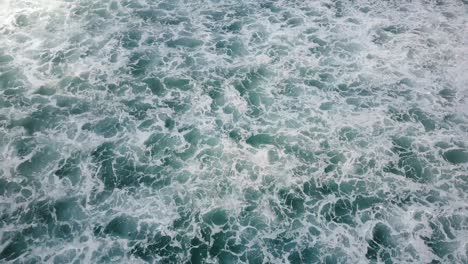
<point>228,131</point>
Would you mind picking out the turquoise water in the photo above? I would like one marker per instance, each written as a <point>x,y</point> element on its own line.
<point>140,131</point>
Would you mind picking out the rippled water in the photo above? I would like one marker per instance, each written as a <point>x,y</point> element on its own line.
<point>329,131</point>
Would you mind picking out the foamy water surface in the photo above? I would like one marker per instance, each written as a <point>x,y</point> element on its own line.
<point>140,131</point>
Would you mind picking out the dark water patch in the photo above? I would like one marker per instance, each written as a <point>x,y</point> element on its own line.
<point>293,203</point>
<point>123,226</point>
<point>448,94</point>
<point>15,248</point>
<point>152,15</point>
<point>410,164</point>
<point>66,257</point>
<point>232,47</point>
<point>456,156</point>
<point>121,172</point>
<point>136,108</point>
<point>319,190</point>
<point>47,117</point>
<point>131,39</point>
<point>177,83</point>
<point>307,255</point>
<point>260,139</point>
<point>158,248</point>
<point>41,160</point>
<point>73,105</point>
<point>107,127</point>
<point>155,85</point>
<point>68,209</point>
<point>75,84</point>
<point>184,42</point>
<point>234,27</point>
<point>438,242</point>
<point>252,80</point>
<point>340,212</point>
<point>380,246</point>
<point>45,91</point>
<point>428,123</point>
<point>139,63</point>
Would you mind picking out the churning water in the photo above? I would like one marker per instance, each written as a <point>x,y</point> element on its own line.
<point>229,131</point>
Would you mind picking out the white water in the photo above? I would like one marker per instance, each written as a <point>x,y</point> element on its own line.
<point>280,116</point>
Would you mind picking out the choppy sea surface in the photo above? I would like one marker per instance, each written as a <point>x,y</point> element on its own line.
<point>146,131</point>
